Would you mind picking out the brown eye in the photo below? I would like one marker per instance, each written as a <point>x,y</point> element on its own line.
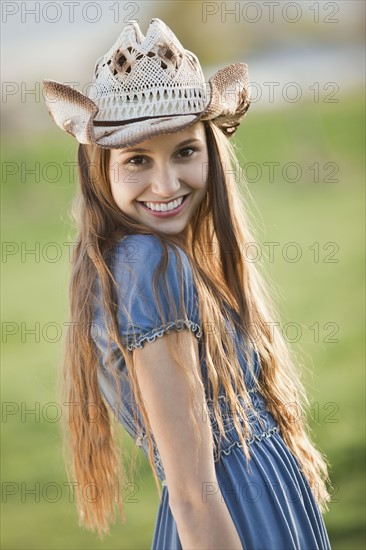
<point>137,160</point>
<point>187,152</point>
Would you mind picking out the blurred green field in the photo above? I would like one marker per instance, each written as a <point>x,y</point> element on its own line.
<point>322,292</point>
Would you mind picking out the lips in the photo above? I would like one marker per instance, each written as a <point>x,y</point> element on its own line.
<point>167,202</point>
<point>166,213</point>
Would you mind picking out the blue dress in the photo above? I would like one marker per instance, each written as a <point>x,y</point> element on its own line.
<point>269,499</point>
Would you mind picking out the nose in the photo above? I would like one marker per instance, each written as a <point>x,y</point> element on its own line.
<point>164,180</point>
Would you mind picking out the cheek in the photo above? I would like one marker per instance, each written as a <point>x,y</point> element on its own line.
<point>199,173</point>
<point>126,185</point>
<point>116,186</point>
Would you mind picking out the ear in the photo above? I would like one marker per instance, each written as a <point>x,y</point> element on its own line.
<point>72,111</point>
<point>230,97</point>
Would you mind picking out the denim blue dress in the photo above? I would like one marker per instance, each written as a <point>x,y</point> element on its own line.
<point>269,499</point>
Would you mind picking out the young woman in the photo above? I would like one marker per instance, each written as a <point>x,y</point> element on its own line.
<point>173,330</point>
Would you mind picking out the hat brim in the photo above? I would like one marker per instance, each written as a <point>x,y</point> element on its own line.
<point>126,135</point>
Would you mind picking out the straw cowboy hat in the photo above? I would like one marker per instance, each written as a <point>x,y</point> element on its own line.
<point>146,86</point>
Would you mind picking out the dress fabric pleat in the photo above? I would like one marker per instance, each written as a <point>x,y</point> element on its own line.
<point>271,503</point>
<point>268,497</point>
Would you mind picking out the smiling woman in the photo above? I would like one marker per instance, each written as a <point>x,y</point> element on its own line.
<point>150,181</point>
<point>183,337</point>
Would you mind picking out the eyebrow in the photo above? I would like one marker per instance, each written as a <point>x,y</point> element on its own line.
<point>141,150</point>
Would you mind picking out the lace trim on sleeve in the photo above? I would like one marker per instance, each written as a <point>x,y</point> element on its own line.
<point>158,332</point>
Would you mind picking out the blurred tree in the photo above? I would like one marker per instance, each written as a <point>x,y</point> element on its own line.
<point>220,31</point>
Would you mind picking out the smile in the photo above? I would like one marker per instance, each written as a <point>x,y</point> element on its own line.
<point>163,210</point>
<point>164,206</point>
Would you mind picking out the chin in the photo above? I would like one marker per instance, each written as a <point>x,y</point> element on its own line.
<point>167,231</point>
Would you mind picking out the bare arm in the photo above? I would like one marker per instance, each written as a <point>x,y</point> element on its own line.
<point>201,525</point>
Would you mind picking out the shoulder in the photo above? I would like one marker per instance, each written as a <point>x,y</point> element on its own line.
<point>143,252</point>
<point>139,240</point>
<point>152,296</point>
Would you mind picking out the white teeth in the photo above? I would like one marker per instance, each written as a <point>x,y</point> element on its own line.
<point>162,207</point>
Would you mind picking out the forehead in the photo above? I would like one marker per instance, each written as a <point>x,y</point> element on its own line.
<point>171,140</point>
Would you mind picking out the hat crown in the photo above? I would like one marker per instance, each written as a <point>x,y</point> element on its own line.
<point>145,76</point>
<point>145,86</point>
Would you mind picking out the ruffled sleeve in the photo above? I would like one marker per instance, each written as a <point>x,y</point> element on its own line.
<point>134,262</point>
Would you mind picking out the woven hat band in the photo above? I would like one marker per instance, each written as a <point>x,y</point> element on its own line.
<point>124,122</point>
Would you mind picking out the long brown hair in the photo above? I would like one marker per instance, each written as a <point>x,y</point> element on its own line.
<point>221,229</point>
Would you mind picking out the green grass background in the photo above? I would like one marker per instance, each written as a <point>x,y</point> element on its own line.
<point>34,290</point>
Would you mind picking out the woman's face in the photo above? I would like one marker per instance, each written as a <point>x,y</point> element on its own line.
<point>161,172</point>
